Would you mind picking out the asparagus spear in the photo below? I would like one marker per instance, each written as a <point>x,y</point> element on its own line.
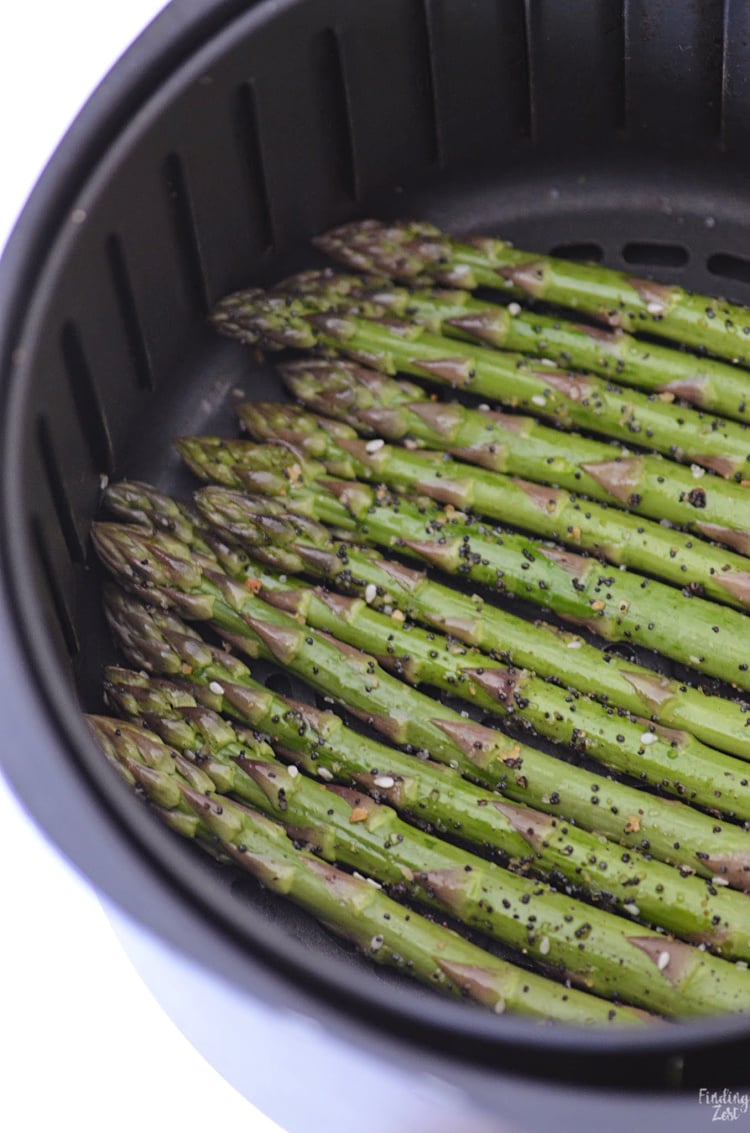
<point>674,761</point>
<point>300,545</point>
<point>712,385</point>
<point>612,535</point>
<point>322,745</point>
<point>412,250</point>
<point>343,825</point>
<point>647,485</point>
<point>571,400</point>
<point>670,831</point>
<point>389,934</point>
<point>614,604</point>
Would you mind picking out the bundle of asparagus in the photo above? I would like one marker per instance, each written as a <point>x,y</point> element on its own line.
<point>570,400</point>
<point>570,858</point>
<point>300,545</point>
<point>615,605</point>
<point>186,797</point>
<point>706,382</point>
<point>414,250</point>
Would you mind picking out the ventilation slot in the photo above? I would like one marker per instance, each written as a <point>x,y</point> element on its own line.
<point>126,304</point>
<point>336,110</point>
<point>618,35</point>
<point>67,628</point>
<point>249,140</point>
<point>63,509</point>
<point>583,252</point>
<point>729,267</point>
<point>186,232</point>
<point>86,399</point>
<point>522,70</point>
<point>656,255</point>
<point>430,53</point>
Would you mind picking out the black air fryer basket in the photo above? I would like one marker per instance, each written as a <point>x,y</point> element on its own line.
<point>232,132</point>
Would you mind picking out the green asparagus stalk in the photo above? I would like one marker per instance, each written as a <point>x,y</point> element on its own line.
<point>343,825</point>
<point>712,385</point>
<point>297,545</point>
<point>614,604</point>
<point>668,830</point>
<point>323,746</point>
<point>570,400</point>
<point>185,798</point>
<point>615,536</point>
<point>413,250</point>
<point>402,411</point>
<point>674,761</point>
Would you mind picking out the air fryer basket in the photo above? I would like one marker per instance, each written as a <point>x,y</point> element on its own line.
<point>232,133</point>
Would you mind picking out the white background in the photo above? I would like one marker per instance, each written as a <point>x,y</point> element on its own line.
<point>82,1043</point>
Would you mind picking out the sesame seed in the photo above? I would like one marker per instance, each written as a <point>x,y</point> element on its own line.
<point>719,881</point>
<point>576,643</point>
<point>216,688</point>
<point>697,471</point>
<point>544,945</point>
<point>649,738</point>
<point>499,1007</point>
<point>293,771</point>
<point>384,781</point>
<point>371,593</point>
<point>373,446</point>
<point>539,399</point>
<point>324,773</point>
<point>514,309</point>
<point>663,960</point>
<point>655,308</point>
